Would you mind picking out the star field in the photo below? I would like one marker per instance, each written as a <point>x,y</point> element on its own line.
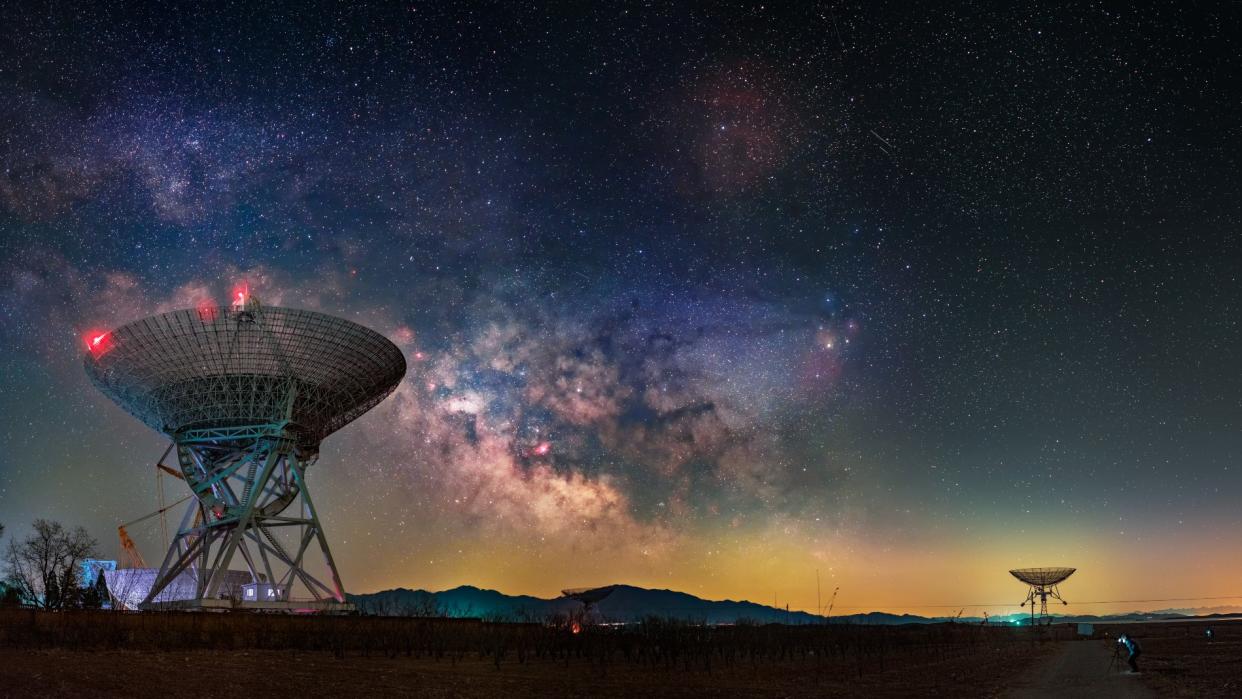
<point>706,299</point>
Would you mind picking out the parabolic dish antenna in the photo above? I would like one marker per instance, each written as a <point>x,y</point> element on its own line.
<point>246,394</point>
<point>1043,584</point>
<point>232,366</point>
<point>589,596</point>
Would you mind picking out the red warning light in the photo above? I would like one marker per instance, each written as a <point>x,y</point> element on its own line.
<point>98,342</point>
<point>240,294</point>
<point>542,449</point>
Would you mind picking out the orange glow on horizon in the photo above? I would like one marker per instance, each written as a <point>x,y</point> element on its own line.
<point>925,578</point>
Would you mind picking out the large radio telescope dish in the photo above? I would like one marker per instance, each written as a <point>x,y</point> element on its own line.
<point>226,366</point>
<point>1042,577</point>
<point>1043,584</point>
<point>246,393</point>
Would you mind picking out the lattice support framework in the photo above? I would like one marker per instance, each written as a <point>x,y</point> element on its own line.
<point>251,502</point>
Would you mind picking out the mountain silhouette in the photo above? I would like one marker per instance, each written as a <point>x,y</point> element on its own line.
<point>626,603</point>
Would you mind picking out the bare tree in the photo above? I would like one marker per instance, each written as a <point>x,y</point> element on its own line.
<point>46,563</point>
<point>8,596</point>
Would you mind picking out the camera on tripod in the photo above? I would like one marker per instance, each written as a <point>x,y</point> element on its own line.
<point>1132,650</point>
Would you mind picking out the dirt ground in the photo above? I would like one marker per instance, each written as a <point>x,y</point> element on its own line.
<point>1178,660</point>
<point>1080,669</point>
<point>60,673</point>
<point>92,653</point>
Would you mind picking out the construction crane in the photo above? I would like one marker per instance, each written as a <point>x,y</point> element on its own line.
<point>130,550</point>
<point>127,544</point>
<point>831,602</point>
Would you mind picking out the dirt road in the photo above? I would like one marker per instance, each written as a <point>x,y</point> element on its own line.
<point>1079,669</point>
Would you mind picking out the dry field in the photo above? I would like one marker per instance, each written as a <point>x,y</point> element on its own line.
<point>139,655</point>
<point>1179,661</point>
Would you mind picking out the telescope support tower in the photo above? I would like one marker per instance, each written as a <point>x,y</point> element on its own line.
<point>1042,594</point>
<point>250,495</point>
<point>1041,584</point>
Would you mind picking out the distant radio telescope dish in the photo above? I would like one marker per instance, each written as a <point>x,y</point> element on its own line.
<point>246,394</point>
<point>1042,584</point>
<point>589,596</point>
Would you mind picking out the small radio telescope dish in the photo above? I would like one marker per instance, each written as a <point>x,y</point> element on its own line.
<point>1043,584</point>
<point>588,596</point>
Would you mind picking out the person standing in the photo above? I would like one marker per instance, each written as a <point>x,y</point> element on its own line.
<point>1134,648</point>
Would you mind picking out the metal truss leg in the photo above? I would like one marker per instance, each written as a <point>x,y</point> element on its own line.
<point>300,476</point>
<point>220,566</point>
<point>181,552</point>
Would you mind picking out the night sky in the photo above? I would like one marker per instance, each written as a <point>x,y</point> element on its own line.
<point>699,299</point>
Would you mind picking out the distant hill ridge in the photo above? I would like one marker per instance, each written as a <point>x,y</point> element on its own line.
<point>626,603</point>
<point>629,603</point>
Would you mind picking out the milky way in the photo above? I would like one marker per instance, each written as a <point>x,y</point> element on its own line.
<point>703,300</point>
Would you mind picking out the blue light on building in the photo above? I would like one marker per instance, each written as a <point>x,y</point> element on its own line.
<point>91,568</point>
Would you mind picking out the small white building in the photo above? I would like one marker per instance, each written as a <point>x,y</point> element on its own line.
<point>262,592</point>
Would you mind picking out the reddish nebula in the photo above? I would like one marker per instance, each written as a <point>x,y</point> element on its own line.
<point>746,126</point>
